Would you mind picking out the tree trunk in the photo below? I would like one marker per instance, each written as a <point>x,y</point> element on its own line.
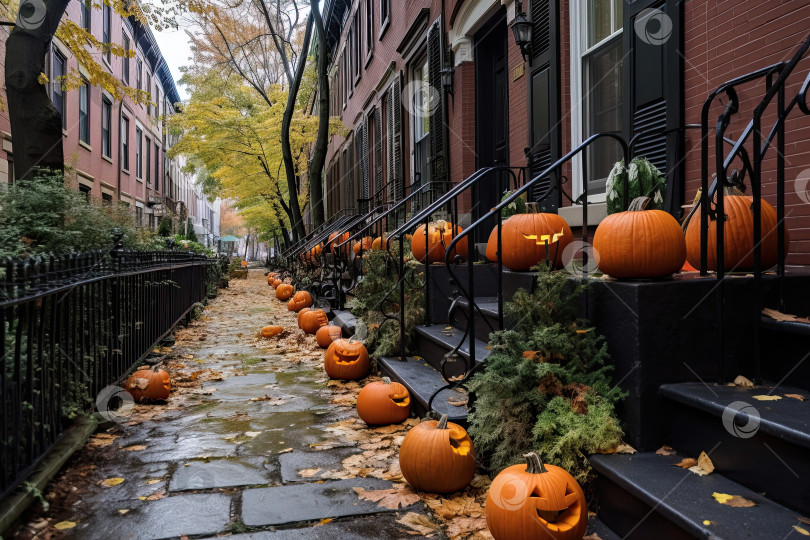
<point>297,224</point>
<point>36,126</point>
<point>319,151</point>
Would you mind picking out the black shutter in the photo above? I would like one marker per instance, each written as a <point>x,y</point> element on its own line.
<point>653,88</point>
<point>544,101</point>
<point>362,147</point>
<point>437,164</point>
<point>378,150</point>
<point>396,188</point>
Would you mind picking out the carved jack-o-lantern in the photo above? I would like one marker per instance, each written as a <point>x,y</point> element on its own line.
<point>312,320</point>
<point>383,402</point>
<point>301,313</point>
<point>536,501</point>
<point>346,359</point>
<point>299,301</point>
<point>437,457</point>
<point>149,384</point>
<point>284,291</point>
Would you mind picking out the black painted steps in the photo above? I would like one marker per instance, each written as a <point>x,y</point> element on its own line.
<point>786,351</point>
<point>435,341</point>
<point>764,445</point>
<point>486,316</point>
<point>791,327</point>
<point>643,496</point>
<point>597,527</point>
<point>422,380</point>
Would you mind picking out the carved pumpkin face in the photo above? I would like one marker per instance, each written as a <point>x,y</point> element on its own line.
<point>327,334</point>
<point>346,360</point>
<point>524,238</point>
<point>383,402</point>
<point>438,237</point>
<point>149,384</point>
<point>271,331</point>
<point>437,457</point>
<point>284,291</point>
<point>312,320</point>
<point>536,501</point>
<point>299,301</point>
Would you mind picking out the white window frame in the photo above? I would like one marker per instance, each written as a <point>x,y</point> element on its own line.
<point>579,49</point>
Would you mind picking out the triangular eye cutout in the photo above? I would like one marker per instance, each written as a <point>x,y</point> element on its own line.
<point>570,495</point>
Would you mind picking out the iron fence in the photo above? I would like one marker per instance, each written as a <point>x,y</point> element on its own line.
<point>72,325</point>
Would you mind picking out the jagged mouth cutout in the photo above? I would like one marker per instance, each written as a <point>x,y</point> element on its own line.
<point>557,520</point>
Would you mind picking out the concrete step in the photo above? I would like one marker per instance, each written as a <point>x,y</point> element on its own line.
<point>435,341</point>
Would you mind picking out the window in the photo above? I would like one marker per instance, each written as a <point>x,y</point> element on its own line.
<point>139,216</point>
<point>58,73</point>
<point>369,27</point>
<point>157,165</point>
<point>84,112</point>
<point>148,88</point>
<point>125,143</point>
<point>85,190</point>
<point>597,85</point>
<point>358,34</point>
<point>138,153</point>
<point>106,127</point>
<point>125,63</point>
<point>106,198</point>
<point>107,30</point>
<point>148,161</point>
<point>138,74</point>
<point>87,6</point>
<point>421,123</point>
<point>385,16</point>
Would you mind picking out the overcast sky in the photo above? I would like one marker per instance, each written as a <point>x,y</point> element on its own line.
<point>176,50</point>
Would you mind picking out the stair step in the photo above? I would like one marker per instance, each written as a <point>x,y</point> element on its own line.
<point>597,527</point>
<point>792,327</point>
<point>422,381</point>
<point>345,320</point>
<point>768,454</point>
<point>435,341</point>
<point>644,496</point>
<point>484,325</point>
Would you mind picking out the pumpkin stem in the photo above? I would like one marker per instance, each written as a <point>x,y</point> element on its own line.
<point>532,208</point>
<point>442,422</point>
<point>639,203</point>
<point>386,380</point>
<point>533,464</point>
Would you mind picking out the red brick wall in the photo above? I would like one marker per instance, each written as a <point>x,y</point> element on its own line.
<point>518,106</point>
<point>733,37</point>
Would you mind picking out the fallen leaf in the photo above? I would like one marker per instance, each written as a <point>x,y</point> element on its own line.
<point>286,450</point>
<point>308,473</point>
<point>743,382</point>
<point>687,463</point>
<point>152,481</point>
<point>801,530</point>
<point>324,521</point>
<point>767,397</point>
<point>665,451</point>
<point>458,401</point>
<point>704,465</point>
<point>707,522</point>
<point>253,433</point>
<point>796,396</point>
<point>592,536</point>
<point>101,439</point>
<point>803,519</point>
<point>110,482</point>
<point>135,448</point>
<point>62,525</point>
<point>420,523</point>
<point>733,500</point>
<point>156,496</point>
<point>623,448</point>
<point>123,511</point>
<point>393,499</point>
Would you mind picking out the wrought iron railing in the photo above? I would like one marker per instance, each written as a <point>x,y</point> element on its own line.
<point>70,326</point>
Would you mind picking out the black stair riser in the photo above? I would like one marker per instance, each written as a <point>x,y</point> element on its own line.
<point>484,325</point>
<point>433,353</point>
<point>785,358</point>
<point>763,463</point>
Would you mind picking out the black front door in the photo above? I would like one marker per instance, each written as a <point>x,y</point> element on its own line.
<point>491,113</point>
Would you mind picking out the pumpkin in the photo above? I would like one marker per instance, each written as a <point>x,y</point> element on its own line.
<point>738,236</point>
<point>299,301</point>
<point>527,239</point>
<point>536,501</point>
<point>149,384</point>
<point>377,243</point>
<point>301,314</point>
<point>346,359</point>
<point>313,256</point>
<point>271,331</point>
<point>244,264</point>
<point>365,243</point>
<point>437,457</point>
<point>313,319</point>
<point>338,238</point>
<point>284,291</point>
<point>325,335</point>
<point>383,402</point>
<point>439,236</point>
<point>639,243</point>
<point>276,282</point>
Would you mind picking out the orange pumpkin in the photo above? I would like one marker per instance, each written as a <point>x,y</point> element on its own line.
<point>536,501</point>
<point>301,314</point>
<point>244,264</point>
<point>377,243</point>
<point>271,331</point>
<point>276,282</point>
<point>299,301</point>
<point>738,236</point>
<point>437,457</point>
<point>327,334</point>
<point>149,384</point>
<point>312,320</point>
<point>284,291</point>
<point>338,238</point>
<point>270,280</point>
<point>639,243</point>
<point>346,360</point>
<point>365,243</point>
<point>383,402</point>
<point>523,237</point>
<point>438,237</point>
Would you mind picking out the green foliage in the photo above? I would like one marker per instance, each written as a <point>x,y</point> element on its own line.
<point>235,264</point>
<point>182,243</point>
<point>546,386</point>
<point>518,206</point>
<point>165,226</point>
<point>379,292</point>
<point>643,180</point>
<point>190,234</point>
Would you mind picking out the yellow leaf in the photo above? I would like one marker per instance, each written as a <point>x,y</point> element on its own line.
<point>153,481</point>
<point>123,511</point>
<point>722,498</point>
<point>62,525</point>
<point>767,398</point>
<point>801,530</point>
<point>324,521</point>
<point>734,501</point>
<point>142,498</point>
<point>707,522</point>
<point>43,80</point>
<point>110,482</point>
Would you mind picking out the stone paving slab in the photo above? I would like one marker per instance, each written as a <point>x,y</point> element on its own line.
<point>170,517</point>
<point>242,388</point>
<point>379,527</point>
<point>217,473</point>
<point>305,502</point>
<point>325,461</point>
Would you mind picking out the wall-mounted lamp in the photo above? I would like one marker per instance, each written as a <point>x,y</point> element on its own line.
<point>448,72</point>
<point>522,30</point>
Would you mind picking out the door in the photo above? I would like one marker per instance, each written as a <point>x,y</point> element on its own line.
<point>492,114</point>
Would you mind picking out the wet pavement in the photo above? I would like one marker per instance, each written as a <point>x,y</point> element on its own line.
<point>263,448</point>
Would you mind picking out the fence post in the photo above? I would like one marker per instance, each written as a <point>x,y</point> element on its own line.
<point>116,347</point>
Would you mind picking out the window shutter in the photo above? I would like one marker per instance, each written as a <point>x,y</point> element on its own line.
<point>437,165</point>
<point>378,150</point>
<point>395,144</point>
<point>389,150</point>
<point>653,89</point>
<point>364,164</point>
